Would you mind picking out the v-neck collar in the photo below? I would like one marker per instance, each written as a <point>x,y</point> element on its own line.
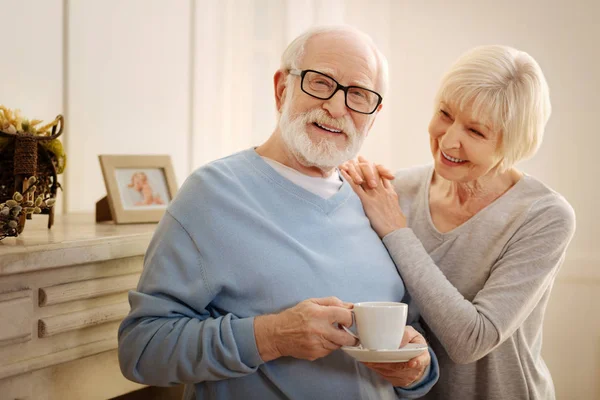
<point>326,205</point>
<point>424,198</point>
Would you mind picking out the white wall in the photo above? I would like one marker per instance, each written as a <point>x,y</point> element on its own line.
<point>31,70</point>
<point>128,87</point>
<point>193,79</point>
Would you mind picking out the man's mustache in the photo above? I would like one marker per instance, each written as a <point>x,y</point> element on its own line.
<point>321,117</point>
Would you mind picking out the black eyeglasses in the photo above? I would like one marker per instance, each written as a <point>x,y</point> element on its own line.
<point>323,87</point>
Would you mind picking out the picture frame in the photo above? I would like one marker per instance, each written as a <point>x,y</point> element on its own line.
<point>139,188</point>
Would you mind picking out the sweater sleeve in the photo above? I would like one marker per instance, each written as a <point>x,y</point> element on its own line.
<point>169,336</point>
<point>469,330</point>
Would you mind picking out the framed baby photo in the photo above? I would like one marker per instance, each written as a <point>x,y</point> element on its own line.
<point>138,187</point>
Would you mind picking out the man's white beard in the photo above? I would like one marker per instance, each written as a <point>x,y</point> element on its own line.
<point>322,153</point>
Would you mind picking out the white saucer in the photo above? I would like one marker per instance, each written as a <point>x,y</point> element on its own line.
<point>403,354</point>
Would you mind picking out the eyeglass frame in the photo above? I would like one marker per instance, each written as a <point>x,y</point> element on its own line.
<point>302,74</point>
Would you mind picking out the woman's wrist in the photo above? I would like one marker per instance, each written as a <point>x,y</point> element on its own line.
<point>384,231</point>
<point>392,225</point>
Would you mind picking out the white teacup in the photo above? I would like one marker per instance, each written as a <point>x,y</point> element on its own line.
<point>380,324</point>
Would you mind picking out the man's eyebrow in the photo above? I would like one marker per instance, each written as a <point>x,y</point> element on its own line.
<point>331,73</point>
<point>364,84</point>
<point>327,71</point>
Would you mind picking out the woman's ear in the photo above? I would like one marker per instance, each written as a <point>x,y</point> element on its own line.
<point>279,81</point>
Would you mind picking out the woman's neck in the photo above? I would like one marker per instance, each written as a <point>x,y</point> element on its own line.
<point>474,195</point>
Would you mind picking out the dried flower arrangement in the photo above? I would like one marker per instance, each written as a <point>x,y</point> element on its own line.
<point>30,159</point>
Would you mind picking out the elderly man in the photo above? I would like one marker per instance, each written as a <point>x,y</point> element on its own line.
<point>243,282</point>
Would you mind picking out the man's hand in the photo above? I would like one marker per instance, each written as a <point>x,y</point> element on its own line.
<point>308,330</point>
<point>406,373</point>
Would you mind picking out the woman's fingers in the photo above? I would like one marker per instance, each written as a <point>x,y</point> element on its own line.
<point>369,173</point>
<point>384,172</point>
<point>373,173</point>
<point>364,171</point>
<point>355,186</point>
<point>355,172</point>
<point>387,184</point>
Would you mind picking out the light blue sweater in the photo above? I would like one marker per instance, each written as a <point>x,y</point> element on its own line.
<point>238,241</point>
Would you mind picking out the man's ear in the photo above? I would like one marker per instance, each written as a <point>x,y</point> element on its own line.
<point>279,84</point>
<point>379,107</point>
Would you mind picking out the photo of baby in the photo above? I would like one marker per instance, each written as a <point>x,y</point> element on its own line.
<point>142,188</point>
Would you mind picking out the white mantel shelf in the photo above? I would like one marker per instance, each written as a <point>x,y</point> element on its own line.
<point>73,239</point>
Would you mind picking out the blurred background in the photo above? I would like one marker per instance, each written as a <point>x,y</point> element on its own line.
<point>193,79</point>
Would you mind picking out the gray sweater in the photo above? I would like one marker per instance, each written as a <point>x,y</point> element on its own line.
<point>482,288</point>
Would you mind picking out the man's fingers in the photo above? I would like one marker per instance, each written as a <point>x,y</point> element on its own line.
<point>337,310</point>
<point>405,338</point>
<point>418,338</point>
<point>420,360</point>
<point>340,337</point>
<point>411,335</point>
<point>347,305</point>
<point>387,368</point>
<point>340,315</point>
<point>329,345</point>
<point>400,374</point>
<point>329,301</point>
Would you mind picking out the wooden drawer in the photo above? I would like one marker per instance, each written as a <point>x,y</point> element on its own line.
<point>59,315</point>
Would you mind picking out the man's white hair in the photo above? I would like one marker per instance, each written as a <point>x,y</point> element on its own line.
<point>292,56</point>
<point>506,90</point>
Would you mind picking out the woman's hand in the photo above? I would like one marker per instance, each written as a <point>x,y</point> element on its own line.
<point>365,171</point>
<point>380,202</point>
<point>406,373</point>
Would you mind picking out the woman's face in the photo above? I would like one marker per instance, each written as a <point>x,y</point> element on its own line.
<point>463,149</point>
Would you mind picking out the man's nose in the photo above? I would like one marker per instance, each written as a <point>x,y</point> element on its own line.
<point>336,106</point>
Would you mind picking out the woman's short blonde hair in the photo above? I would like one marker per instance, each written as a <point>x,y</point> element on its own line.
<point>507,91</point>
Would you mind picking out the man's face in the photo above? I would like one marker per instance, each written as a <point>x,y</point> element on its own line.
<point>325,133</point>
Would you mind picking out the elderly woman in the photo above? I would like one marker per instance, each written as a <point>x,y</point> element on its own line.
<point>478,242</point>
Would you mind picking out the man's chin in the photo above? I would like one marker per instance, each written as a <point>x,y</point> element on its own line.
<point>311,163</point>
<point>328,153</point>
<point>323,163</point>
